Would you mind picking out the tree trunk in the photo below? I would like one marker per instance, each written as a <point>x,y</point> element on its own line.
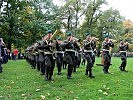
<point>9,40</point>
<point>76,23</point>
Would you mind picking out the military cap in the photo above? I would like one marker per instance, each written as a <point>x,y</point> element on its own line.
<point>58,38</point>
<point>49,31</point>
<point>105,35</point>
<point>88,33</point>
<point>69,33</point>
<point>43,35</point>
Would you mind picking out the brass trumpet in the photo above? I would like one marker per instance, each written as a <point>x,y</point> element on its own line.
<point>56,34</point>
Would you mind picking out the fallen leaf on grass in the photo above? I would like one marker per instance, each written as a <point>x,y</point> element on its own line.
<point>105,93</point>
<point>112,73</point>
<point>12,82</point>
<point>100,90</point>
<point>104,86</point>
<point>48,93</point>
<point>1,96</point>
<point>71,92</point>
<point>43,97</point>
<point>9,96</point>
<point>113,93</point>
<point>78,84</point>
<point>22,95</point>
<point>57,98</point>
<point>52,81</point>
<point>25,98</point>
<point>37,90</point>
<point>76,97</point>
<point>100,99</point>
<point>8,87</point>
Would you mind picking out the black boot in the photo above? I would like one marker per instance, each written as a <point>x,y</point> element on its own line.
<point>46,77</point>
<point>1,70</point>
<point>69,77</point>
<point>90,74</point>
<point>74,70</point>
<point>86,72</point>
<point>108,70</point>
<point>124,69</point>
<point>105,70</point>
<point>120,68</point>
<point>50,78</point>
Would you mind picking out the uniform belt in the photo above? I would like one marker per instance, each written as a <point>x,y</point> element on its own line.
<point>74,51</point>
<point>70,50</point>
<point>59,52</point>
<point>105,50</point>
<point>87,50</point>
<point>34,53</point>
<point>40,51</point>
<point>122,51</point>
<point>48,53</point>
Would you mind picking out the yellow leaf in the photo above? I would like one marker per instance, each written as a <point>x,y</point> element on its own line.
<point>105,93</point>
<point>23,95</point>
<point>37,90</point>
<point>43,97</point>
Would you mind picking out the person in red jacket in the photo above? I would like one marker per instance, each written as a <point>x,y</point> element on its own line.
<point>15,52</point>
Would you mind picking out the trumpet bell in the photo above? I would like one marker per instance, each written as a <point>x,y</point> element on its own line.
<point>56,34</point>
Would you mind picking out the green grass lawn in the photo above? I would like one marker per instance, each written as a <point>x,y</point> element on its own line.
<point>19,82</point>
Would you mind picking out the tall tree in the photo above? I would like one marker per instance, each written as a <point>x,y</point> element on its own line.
<point>23,22</point>
<point>112,22</point>
<point>10,20</point>
<point>93,13</point>
<point>71,13</point>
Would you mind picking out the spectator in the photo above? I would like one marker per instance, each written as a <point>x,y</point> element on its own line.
<point>15,53</point>
<point>2,46</point>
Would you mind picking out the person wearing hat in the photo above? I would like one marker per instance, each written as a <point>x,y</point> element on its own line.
<point>87,49</point>
<point>93,40</point>
<point>69,54</point>
<point>59,54</point>
<point>77,49</point>
<point>106,44</point>
<point>123,46</point>
<point>37,63</point>
<point>49,34</point>
<point>49,60</point>
<point>32,56</point>
<point>41,66</point>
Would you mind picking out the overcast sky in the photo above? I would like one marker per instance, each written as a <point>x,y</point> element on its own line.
<point>124,6</point>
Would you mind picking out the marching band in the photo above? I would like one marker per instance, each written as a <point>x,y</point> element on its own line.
<point>52,50</point>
